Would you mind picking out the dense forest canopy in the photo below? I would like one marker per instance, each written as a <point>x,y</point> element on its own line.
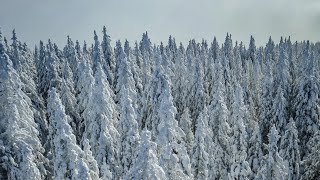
<point>207,110</point>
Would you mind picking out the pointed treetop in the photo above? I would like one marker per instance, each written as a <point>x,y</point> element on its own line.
<point>14,35</point>
<point>95,35</point>
<point>0,36</point>
<point>2,47</point>
<point>104,30</point>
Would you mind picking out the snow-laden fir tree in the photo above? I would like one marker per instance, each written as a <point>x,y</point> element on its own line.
<point>266,103</point>
<point>272,166</point>
<point>255,150</point>
<point>128,127</point>
<point>196,98</point>
<point>68,159</point>
<point>151,104</point>
<point>307,99</point>
<point>20,148</point>
<point>27,72</point>
<point>69,100</point>
<point>146,164</point>
<point>239,166</point>
<point>185,124</point>
<point>99,124</point>
<point>124,77</point>
<point>108,53</point>
<point>173,157</point>
<point>218,120</point>
<point>179,91</point>
<point>200,157</point>
<point>98,57</point>
<point>290,151</point>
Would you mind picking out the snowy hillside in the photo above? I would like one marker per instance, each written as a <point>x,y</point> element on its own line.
<point>207,110</point>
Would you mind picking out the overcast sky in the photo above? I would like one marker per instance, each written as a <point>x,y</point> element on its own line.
<point>36,20</point>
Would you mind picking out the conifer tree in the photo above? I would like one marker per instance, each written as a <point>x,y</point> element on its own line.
<point>99,123</point>
<point>20,148</point>
<point>68,159</point>
<point>272,166</point>
<point>146,164</point>
<point>290,150</point>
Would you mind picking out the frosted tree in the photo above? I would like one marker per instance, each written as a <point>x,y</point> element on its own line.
<point>281,78</point>
<point>218,121</point>
<point>68,159</point>
<point>124,77</point>
<point>200,157</point>
<point>239,166</point>
<point>147,54</point>
<point>172,152</point>
<point>128,127</point>
<point>180,81</point>
<point>146,164</point>
<point>151,104</point>
<point>273,166</point>
<point>289,150</point>
<point>83,88</point>
<point>255,154</point>
<point>107,51</point>
<point>197,97</point>
<point>307,100</point>
<point>266,105</point>
<point>185,124</point>
<point>70,53</point>
<point>99,123</point>
<point>226,60</point>
<point>26,69</point>
<point>21,152</point>
<point>98,57</point>
<point>50,73</point>
<point>69,100</point>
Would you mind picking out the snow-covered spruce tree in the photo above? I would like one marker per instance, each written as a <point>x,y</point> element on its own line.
<point>166,63</point>
<point>196,98</point>
<point>290,150</point>
<point>255,154</point>
<point>98,58</point>
<point>252,80</point>
<point>273,166</point>
<point>307,109</point>
<point>185,124</point>
<point>172,151</point>
<point>83,88</point>
<point>209,70</point>
<point>280,91</point>
<point>266,103</point>
<point>69,100</point>
<point>99,124</point>
<point>26,69</point>
<point>146,164</point>
<point>239,166</point>
<point>124,77</point>
<point>108,53</point>
<point>68,159</point>
<point>70,54</point>
<point>219,153</point>
<point>49,69</point>
<point>20,148</point>
<point>129,130</point>
<point>147,55</point>
<point>150,116</point>
<point>180,81</point>
<point>200,157</point>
